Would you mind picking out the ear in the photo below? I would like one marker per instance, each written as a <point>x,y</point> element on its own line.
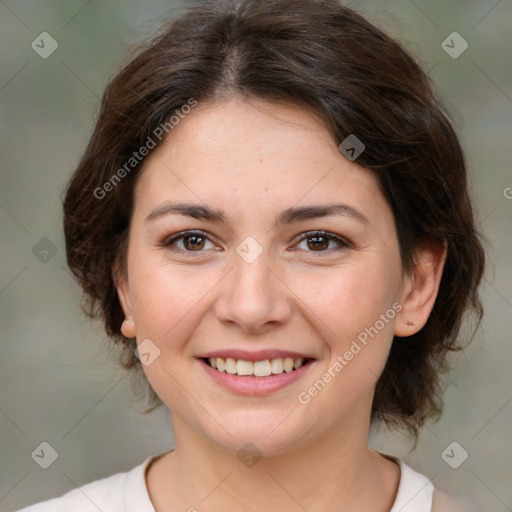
<point>123,293</point>
<point>420,288</point>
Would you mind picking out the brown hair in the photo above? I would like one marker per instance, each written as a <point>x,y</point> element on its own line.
<point>325,57</point>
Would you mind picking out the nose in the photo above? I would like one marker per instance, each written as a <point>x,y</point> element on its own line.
<point>253,296</point>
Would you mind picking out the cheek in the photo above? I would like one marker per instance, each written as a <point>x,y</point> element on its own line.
<point>357,339</point>
<point>350,298</point>
<point>167,299</point>
<point>161,296</point>
<point>169,304</point>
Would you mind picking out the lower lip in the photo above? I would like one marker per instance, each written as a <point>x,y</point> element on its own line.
<point>254,386</point>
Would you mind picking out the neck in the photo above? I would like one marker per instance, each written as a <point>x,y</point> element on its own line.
<point>317,475</point>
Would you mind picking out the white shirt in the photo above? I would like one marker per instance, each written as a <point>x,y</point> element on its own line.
<point>127,492</point>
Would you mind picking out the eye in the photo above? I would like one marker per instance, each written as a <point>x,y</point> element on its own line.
<point>318,241</point>
<point>193,241</point>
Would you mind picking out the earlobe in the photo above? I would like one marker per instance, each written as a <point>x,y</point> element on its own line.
<point>128,328</point>
<point>123,293</point>
<point>421,288</point>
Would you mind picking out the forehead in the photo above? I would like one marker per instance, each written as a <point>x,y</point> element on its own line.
<point>253,153</point>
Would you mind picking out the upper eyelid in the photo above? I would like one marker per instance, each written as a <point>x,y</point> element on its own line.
<point>184,234</point>
<point>321,232</point>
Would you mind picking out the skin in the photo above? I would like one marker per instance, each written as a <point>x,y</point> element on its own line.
<point>253,159</point>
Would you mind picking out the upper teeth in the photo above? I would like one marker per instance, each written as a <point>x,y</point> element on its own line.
<point>257,368</point>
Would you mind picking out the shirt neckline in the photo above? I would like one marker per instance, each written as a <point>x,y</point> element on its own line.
<point>415,491</point>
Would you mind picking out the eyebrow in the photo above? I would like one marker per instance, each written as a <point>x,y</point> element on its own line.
<point>288,216</point>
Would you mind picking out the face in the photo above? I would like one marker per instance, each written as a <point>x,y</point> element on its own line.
<point>268,273</point>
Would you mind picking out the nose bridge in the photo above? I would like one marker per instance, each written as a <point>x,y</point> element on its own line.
<point>252,274</point>
<point>252,295</point>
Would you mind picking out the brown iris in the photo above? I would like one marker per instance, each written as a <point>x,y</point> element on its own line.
<point>318,244</point>
<point>197,242</point>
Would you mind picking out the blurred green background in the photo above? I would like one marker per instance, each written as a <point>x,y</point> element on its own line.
<point>59,384</point>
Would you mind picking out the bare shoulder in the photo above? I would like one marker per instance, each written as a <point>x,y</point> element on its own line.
<point>443,502</point>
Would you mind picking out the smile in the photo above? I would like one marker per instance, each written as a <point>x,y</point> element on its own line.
<point>255,373</point>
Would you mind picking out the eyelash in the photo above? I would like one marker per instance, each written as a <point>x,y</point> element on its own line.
<point>343,244</point>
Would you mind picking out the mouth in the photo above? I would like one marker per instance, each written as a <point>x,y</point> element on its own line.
<point>262,369</point>
<point>255,373</point>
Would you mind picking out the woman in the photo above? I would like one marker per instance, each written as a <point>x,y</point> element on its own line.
<point>272,218</point>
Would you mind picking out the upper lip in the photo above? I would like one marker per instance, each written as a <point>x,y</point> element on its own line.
<point>258,355</point>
